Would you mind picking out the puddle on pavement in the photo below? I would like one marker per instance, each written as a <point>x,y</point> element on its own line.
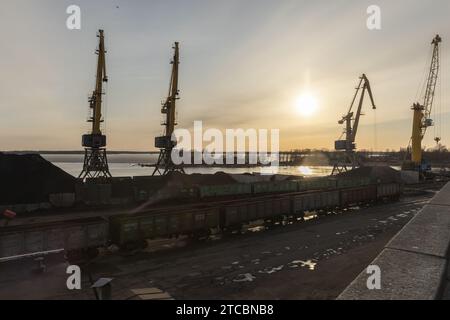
<point>165,244</point>
<point>271,270</point>
<point>300,263</point>
<point>255,229</point>
<point>309,215</point>
<point>246,277</point>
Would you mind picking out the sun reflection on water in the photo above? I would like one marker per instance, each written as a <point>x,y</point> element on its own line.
<point>306,171</point>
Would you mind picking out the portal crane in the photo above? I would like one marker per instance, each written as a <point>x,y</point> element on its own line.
<point>95,160</point>
<point>351,128</point>
<point>165,143</point>
<point>422,114</point>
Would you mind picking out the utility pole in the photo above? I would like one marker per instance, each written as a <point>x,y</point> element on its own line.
<point>165,143</point>
<point>95,161</point>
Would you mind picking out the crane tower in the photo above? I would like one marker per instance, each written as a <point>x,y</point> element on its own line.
<point>165,143</point>
<point>95,161</point>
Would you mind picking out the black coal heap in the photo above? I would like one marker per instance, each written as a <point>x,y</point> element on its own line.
<point>29,178</point>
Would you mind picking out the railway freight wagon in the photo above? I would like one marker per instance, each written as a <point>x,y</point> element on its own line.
<point>224,190</point>
<point>131,229</point>
<point>355,196</point>
<point>317,184</point>
<point>314,201</point>
<point>389,191</point>
<point>233,216</point>
<point>274,187</point>
<point>72,236</point>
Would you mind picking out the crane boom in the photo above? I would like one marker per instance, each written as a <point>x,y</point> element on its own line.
<point>367,87</point>
<point>97,94</point>
<point>432,80</point>
<point>351,129</point>
<point>170,104</point>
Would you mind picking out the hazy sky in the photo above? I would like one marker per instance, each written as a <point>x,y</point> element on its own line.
<point>243,65</point>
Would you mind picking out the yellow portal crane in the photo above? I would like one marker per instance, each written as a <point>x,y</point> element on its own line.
<point>165,143</point>
<point>422,113</point>
<point>348,145</point>
<point>95,161</point>
<point>96,98</point>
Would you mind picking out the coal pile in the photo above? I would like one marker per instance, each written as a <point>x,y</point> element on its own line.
<point>380,174</point>
<point>29,178</point>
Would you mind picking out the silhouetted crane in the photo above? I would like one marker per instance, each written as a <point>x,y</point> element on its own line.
<point>351,121</point>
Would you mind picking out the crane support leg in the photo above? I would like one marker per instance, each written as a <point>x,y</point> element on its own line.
<point>95,164</point>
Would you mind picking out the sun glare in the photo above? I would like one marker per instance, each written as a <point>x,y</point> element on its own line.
<point>306,104</point>
<point>306,171</point>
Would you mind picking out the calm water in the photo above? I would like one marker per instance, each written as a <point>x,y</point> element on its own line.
<point>125,165</point>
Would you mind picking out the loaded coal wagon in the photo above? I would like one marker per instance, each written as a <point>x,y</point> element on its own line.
<point>76,237</point>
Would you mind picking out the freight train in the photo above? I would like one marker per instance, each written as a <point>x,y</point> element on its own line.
<point>123,190</point>
<point>84,235</point>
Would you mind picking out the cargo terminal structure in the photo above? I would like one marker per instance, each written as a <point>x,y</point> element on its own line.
<point>422,116</point>
<point>98,216</point>
<point>165,143</point>
<point>95,159</point>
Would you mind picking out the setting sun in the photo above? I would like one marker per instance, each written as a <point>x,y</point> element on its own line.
<point>306,104</point>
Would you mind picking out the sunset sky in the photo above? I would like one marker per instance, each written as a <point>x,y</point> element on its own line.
<point>244,64</point>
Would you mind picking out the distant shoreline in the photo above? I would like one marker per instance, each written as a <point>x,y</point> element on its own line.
<point>77,152</point>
